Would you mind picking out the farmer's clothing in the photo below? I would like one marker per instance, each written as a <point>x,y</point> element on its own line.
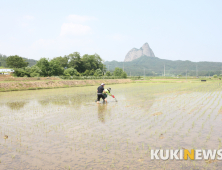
<point>106,91</point>
<point>100,90</point>
<point>100,96</point>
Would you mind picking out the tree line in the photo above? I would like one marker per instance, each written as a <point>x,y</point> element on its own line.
<point>3,63</point>
<point>69,65</point>
<point>153,66</point>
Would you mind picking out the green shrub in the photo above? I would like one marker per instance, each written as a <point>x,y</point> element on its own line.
<point>124,75</point>
<point>98,72</point>
<point>34,74</point>
<point>108,73</point>
<point>118,71</point>
<point>71,72</point>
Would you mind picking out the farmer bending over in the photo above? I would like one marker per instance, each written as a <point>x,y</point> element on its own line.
<point>107,91</point>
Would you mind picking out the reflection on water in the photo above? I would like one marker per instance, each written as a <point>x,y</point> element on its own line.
<point>102,108</point>
<point>66,129</point>
<point>102,112</point>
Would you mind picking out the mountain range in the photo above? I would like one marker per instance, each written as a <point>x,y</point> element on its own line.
<point>139,62</point>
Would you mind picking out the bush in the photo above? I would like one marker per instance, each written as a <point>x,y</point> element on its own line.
<point>86,73</point>
<point>118,71</point>
<point>71,72</point>
<point>91,73</point>
<point>34,74</point>
<point>20,72</point>
<point>215,76</point>
<point>98,72</point>
<point>33,71</point>
<point>124,75</point>
<point>108,73</point>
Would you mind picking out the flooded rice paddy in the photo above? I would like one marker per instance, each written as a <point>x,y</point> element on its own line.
<point>66,129</point>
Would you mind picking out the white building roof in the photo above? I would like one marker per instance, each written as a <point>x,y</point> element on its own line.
<point>6,70</point>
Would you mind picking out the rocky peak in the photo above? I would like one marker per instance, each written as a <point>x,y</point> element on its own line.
<point>136,53</point>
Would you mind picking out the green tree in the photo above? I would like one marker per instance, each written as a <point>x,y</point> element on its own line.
<point>91,73</point>
<point>36,69</point>
<point>98,72</point>
<point>123,74</point>
<point>55,68</point>
<point>16,62</point>
<point>43,64</point>
<point>118,71</point>
<point>19,72</point>
<point>63,61</point>
<point>93,62</point>
<point>71,72</point>
<point>33,71</point>
<point>76,62</point>
<point>108,73</point>
<point>86,73</point>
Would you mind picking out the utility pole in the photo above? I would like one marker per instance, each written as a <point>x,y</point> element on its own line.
<point>221,70</point>
<point>164,71</point>
<point>186,75</point>
<point>144,73</point>
<point>123,65</point>
<point>108,67</point>
<point>130,73</point>
<point>196,71</point>
<point>103,69</point>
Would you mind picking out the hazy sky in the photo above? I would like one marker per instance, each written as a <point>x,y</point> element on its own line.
<point>175,30</point>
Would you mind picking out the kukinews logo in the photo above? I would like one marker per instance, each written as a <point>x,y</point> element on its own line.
<point>184,154</point>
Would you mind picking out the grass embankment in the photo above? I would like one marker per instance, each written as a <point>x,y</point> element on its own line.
<point>9,83</point>
<point>50,83</point>
<point>178,80</point>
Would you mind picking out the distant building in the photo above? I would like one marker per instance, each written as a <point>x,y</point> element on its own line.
<point>6,71</point>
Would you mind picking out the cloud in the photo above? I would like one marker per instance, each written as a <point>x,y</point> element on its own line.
<point>79,18</point>
<point>74,29</point>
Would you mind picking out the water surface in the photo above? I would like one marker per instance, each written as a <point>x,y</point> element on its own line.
<point>66,129</point>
